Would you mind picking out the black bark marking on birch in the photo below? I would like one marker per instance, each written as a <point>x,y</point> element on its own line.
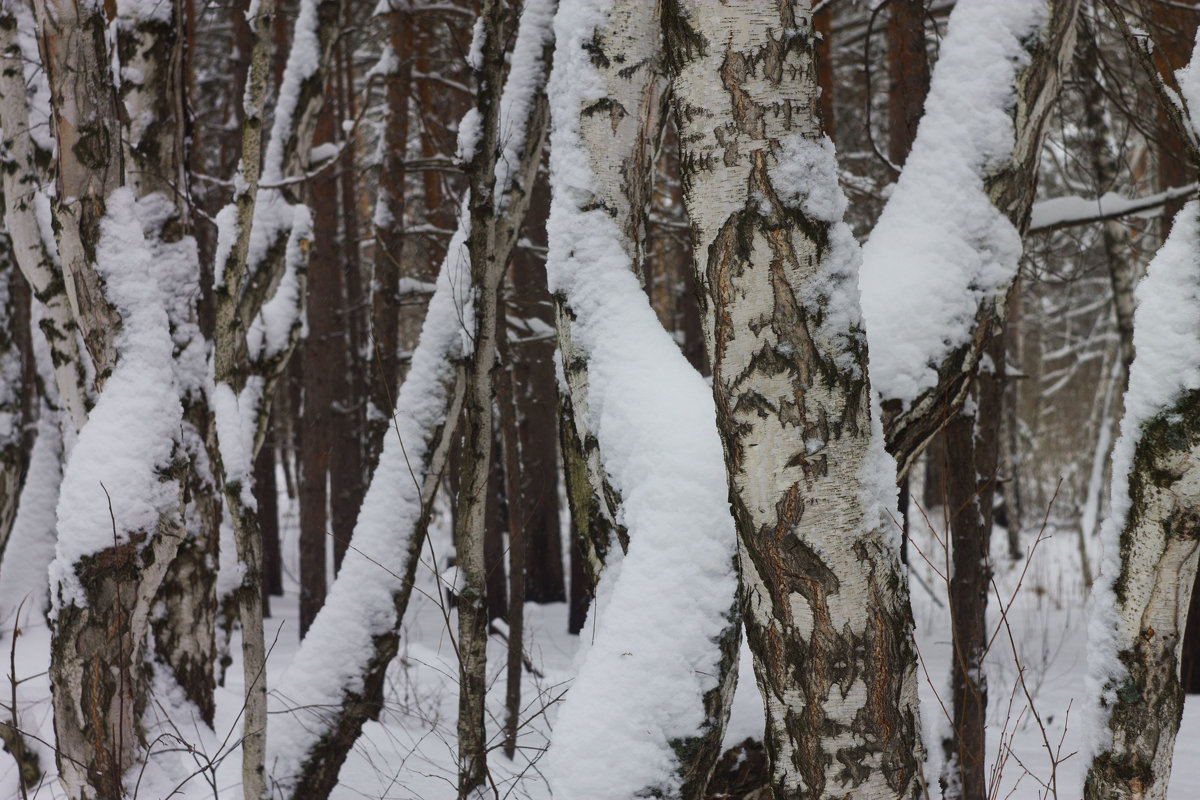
<point>1149,702</point>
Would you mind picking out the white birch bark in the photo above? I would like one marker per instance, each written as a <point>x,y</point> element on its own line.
<point>471,502</point>
<point>27,216</point>
<point>236,397</point>
<point>150,49</point>
<point>647,712</point>
<point>119,508</point>
<point>824,598</point>
<point>1140,600</point>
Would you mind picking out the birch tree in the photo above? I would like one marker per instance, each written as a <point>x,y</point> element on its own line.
<point>119,526</point>
<point>937,274</point>
<point>825,603</point>
<point>1141,598</point>
<point>26,157</point>
<point>329,690</point>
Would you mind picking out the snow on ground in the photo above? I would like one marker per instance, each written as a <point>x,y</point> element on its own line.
<point>409,753</point>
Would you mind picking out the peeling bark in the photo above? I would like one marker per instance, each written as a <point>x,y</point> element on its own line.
<point>154,125</point>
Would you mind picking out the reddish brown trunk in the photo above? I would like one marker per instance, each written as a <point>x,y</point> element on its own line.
<point>511,448</point>
<point>320,383</point>
<point>347,480</point>
<point>1174,32</point>
<point>972,444</point>
<point>535,394</point>
<point>823,24</point>
<point>384,358</point>
<point>908,71</point>
<point>497,512</point>
<point>265,492</point>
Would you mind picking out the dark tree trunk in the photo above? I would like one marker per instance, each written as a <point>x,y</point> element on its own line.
<point>347,476</point>
<point>265,494</point>
<point>908,70</point>
<point>972,443</point>
<point>383,362</point>
<point>320,358</point>
<point>581,588</point>
<point>498,509</point>
<point>1173,27</point>
<point>517,537</point>
<point>823,25</point>
<point>535,394</point>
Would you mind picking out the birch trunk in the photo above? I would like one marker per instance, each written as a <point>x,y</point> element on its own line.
<point>33,250</point>
<point>473,488</point>
<point>314,741</point>
<point>104,592</point>
<point>150,45</point>
<point>825,602</point>
<point>602,153</point>
<point>633,106</point>
<point>1141,598</point>
<point>1011,186</point>
<point>229,350</point>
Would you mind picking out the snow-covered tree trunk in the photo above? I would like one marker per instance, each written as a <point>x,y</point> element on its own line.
<point>647,713</point>
<point>229,373</point>
<point>331,686</point>
<point>633,101</point>
<point>932,300</point>
<point>825,602</point>
<point>119,513</point>
<point>1140,600</point>
<point>150,49</point>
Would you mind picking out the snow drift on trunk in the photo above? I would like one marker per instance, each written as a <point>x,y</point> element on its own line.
<point>654,653</point>
<point>941,248</point>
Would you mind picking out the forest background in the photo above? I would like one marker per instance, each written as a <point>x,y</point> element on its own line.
<point>353,351</point>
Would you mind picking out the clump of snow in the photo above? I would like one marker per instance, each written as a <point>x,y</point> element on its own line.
<point>526,71</point>
<point>470,129</point>
<point>1166,338</point>
<point>805,174</point>
<point>303,60</point>
<point>653,655</point>
<point>127,444</point>
<point>941,248</point>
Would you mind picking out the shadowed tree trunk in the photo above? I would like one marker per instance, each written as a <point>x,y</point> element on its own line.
<point>535,395</point>
<point>321,382</point>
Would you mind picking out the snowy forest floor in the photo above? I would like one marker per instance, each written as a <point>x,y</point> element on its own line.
<point>410,751</point>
